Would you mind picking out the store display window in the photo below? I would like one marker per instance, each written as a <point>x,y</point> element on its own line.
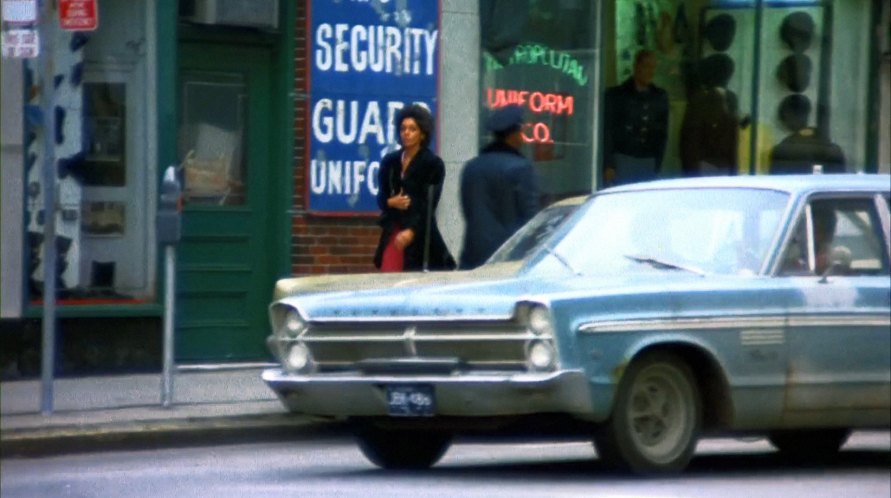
<point>102,140</point>
<point>540,54</point>
<point>696,88</point>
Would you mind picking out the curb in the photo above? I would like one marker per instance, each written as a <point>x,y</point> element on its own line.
<point>158,434</point>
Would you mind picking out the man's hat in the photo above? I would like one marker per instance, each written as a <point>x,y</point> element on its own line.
<point>505,119</point>
<point>795,72</point>
<point>719,31</point>
<point>797,30</point>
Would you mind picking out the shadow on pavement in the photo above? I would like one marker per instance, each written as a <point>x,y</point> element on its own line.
<point>703,466</point>
<point>177,438</point>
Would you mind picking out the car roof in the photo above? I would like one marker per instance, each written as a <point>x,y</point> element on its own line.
<point>786,183</point>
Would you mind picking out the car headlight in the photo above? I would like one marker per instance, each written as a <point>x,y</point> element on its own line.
<point>298,359</point>
<point>294,324</point>
<point>539,321</point>
<point>541,355</point>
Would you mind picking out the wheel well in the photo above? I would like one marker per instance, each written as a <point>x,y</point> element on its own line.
<point>717,406</point>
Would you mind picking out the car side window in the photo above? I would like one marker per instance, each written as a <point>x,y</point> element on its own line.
<point>837,237</point>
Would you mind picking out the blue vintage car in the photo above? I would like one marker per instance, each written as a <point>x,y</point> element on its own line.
<point>651,315</point>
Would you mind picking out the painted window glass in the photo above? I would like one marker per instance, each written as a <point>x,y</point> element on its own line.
<point>540,54</point>
<point>102,145</point>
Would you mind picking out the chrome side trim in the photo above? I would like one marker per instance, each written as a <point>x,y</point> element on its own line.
<point>742,322</point>
<point>762,337</point>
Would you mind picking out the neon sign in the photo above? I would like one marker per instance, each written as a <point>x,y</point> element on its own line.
<point>555,104</point>
<point>538,102</point>
<point>538,54</point>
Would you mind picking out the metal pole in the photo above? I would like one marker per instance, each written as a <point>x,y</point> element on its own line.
<point>429,227</point>
<point>47,71</point>
<point>169,298</point>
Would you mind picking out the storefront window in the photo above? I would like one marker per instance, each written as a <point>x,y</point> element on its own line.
<point>735,87</point>
<point>102,142</point>
<point>540,54</point>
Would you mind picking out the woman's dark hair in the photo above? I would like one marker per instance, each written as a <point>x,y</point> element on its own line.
<point>421,116</point>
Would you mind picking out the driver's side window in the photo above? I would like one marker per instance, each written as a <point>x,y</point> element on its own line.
<point>837,237</point>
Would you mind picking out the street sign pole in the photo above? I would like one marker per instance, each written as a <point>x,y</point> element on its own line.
<point>47,70</point>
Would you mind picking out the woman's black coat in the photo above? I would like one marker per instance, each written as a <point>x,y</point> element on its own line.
<point>426,169</point>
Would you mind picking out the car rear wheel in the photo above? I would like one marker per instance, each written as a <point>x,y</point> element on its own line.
<point>391,448</point>
<point>809,444</point>
<point>656,417</point>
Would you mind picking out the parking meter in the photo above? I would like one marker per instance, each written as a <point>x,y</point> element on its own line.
<point>169,226</point>
<point>169,219</point>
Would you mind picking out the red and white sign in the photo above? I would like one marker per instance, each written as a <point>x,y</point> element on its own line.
<point>78,15</point>
<point>20,43</point>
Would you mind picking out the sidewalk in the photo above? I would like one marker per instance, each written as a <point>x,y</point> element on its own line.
<point>224,400</point>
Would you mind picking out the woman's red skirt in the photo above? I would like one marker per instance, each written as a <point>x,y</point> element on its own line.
<point>393,259</point>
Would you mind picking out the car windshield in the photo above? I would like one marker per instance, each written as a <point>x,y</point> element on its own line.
<point>527,238</point>
<point>701,231</point>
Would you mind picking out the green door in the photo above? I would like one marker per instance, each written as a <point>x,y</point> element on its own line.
<point>223,279</point>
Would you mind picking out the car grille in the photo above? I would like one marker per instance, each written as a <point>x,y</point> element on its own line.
<point>470,346</point>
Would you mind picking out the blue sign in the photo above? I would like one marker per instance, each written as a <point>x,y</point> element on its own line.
<point>368,59</point>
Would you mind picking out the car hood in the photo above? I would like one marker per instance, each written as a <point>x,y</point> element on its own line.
<point>490,292</point>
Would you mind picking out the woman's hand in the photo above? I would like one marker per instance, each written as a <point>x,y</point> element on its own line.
<point>399,201</point>
<point>404,238</point>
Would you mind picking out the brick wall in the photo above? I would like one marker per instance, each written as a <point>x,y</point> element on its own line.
<point>321,244</point>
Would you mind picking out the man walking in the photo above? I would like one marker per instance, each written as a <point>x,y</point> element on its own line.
<point>499,189</point>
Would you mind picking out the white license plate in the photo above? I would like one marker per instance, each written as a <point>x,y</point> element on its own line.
<point>411,400</point>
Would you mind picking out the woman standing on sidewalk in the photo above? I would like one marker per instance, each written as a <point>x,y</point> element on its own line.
<point>410,181</point>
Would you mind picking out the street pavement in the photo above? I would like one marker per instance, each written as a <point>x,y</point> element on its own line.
<point>213,401</point>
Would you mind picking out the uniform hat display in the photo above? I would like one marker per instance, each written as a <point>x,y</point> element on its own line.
<point>719,31</point>
<point>797,31</point>
<point>794,111</point>
<point>505,119</point>
<point>716,70</point>
<point>795,72</point>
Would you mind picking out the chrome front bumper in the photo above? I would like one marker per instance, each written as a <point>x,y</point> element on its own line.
<point>471,395</point>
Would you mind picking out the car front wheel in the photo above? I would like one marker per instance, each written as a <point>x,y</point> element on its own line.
<point>656,418</point>
<point>392,448</point>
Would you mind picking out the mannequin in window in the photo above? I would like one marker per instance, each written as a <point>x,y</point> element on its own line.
<point>805,146</point>
<point>710,129</point>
